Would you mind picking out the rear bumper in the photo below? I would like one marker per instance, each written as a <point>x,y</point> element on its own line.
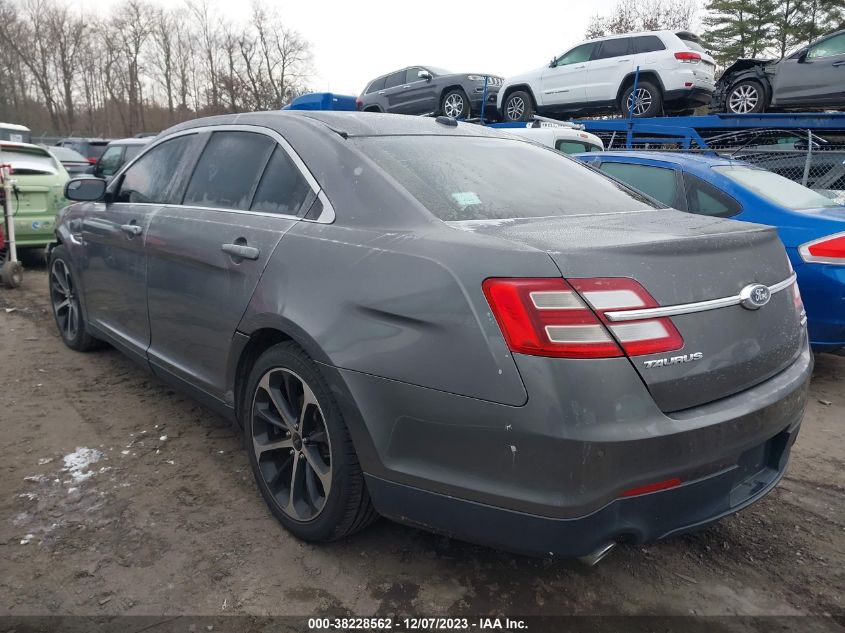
<point>553,471</point>
<point>646,517</point>
<point>693,97</point>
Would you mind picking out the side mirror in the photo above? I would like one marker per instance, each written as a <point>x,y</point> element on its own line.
<point>424,74</point>
<point>802,56</point>
<point>85,189</point>
<point>553,62</point>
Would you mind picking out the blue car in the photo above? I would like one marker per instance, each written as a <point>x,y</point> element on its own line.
<point>811,226</point>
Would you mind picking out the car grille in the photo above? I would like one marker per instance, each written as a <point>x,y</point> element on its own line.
<point>495,81</point>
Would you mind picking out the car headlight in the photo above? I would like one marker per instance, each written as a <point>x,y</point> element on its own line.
<point>477,78</point>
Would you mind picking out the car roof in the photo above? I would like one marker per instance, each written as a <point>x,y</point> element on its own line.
<point>676,158</point>
<point>66,153</point>
<point>347,124</point>
<point>132,141</point>
<point>28,147</point>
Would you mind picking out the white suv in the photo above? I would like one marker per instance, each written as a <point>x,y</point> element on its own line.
<point>676,76</point>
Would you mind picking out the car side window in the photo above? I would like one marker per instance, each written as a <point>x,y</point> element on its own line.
<point>660,183</point>
<point>227,171</point>
<point>577,55</point>
<point>648,44</point>
<point>149,179</point>
<point>396,79</point>
<point>282,189</point>
<point>614,48</point>
<point>830,47</point>
<point>705,199</point>
<point>575,147</point>
<point>376,85</point>
<point>109,162</point>
<point>411,74</point>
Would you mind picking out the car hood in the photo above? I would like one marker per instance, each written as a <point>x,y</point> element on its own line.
<point>746,63</point>
<point>526,76</point>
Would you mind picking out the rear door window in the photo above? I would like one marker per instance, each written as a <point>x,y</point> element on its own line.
<point>705,199</point>
<point>227,171</point>
<point>614,48</point>
<point>660,183</point>
<point>396,79</point>
<point>283,189</point>
<point>151,179</point>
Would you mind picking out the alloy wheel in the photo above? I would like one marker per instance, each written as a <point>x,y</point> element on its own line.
<point>641,100</point>
<point>291,444</point>
<point>743,99</point>
<point>515,108</point>
<point>453,106</point>
<point>65,302</point>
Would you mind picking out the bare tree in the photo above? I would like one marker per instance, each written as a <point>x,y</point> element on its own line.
<point>646,15</point>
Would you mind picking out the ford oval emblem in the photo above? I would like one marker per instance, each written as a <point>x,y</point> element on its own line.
<point>754,296</point>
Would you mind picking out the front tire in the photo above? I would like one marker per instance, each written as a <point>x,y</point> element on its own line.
<point>67,308</point>
<point>746,97</point>
<point>648,101</point>
<point>300,450</point>
<point>518,106</point>
<point>455,104</point>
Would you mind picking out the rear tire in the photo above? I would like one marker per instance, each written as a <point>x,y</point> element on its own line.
<point>300,450</point>
<point>648,101</point>
<point>67,309</point>
<point>746,97</point>
<point>518,106</point>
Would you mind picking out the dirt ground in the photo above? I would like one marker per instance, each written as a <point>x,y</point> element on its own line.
<point>119,495</point>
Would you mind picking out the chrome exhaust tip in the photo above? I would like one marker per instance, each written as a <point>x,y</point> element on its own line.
<point>593,558</point>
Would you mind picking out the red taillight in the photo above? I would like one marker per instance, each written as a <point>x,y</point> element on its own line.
<point>358,104</point>
<point>655,487</point>
<point>92,161</point>
<point>827,250</point>
<point>637,338</point>
<point>688,57</point>
<point>547,317</point>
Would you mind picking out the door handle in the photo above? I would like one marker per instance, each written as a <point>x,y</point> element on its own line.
<point>840,63</point>
<point>406,86</point>
<point>622,60</point>
<point>132,229</point>
<point>577,67</point>
<point>241,250</point>
<point>381,92</point>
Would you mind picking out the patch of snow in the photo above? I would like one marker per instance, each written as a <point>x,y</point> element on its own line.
<point>27,538</point>
<point>471,225</point>
<point>44,460</point>
<point>78,462</point>
<point>163,438</point>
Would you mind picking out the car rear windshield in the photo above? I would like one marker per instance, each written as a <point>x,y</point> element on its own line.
<point>96,148</point>
<point>775,188</point>
<point>29,162</point>
<point>692,42</point>
<point>477,178</point>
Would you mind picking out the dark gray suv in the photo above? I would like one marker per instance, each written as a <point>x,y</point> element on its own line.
<point>430,90</point>
<point>445,325</point>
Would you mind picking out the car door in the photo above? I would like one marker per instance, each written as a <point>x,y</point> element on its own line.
<point>392,93</point>
<point>610,64</point>
<point>114,274</point>
<point>418,95</point>
<point>206,255</point>
<point>565,81</point>
<point>812,79</point>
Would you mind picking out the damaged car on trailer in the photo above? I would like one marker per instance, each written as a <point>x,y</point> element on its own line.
<point>406,320</point>
<point>812,77</point>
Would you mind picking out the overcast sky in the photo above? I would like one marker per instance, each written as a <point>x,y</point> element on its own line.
<point>357,40</point>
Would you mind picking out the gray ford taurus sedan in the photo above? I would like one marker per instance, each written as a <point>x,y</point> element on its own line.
<point>444,325</point>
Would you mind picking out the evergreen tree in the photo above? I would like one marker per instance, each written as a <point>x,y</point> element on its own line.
<point>738,28</point>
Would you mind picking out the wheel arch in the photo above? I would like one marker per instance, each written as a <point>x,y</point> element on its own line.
<point>446,89</point>
<point>516,88</point>
<point>628,81</point>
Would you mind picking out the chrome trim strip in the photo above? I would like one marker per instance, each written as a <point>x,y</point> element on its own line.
<point>688,308</point>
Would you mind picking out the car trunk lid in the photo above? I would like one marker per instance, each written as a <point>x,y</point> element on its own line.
<point>682,259</point>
